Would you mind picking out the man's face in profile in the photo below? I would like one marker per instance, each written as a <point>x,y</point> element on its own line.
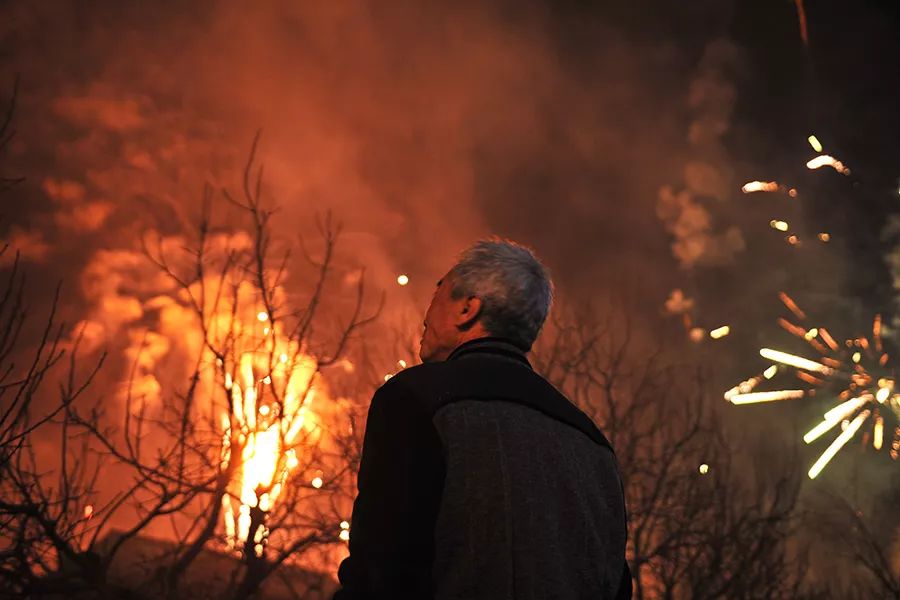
<point>441,335</point>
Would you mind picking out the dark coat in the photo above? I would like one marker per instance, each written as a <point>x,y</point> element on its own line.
<point>480,481</point>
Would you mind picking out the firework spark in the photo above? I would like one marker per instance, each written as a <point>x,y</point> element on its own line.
<point>855,371</point>
<point>825,160</point>
<point>815,143</point>
<point>760,186</point>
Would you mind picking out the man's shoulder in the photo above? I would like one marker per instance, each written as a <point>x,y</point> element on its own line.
<point>419,384</point>
<point>433,385</point>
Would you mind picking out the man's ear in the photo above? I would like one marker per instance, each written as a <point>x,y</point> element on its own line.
<point>469,312</point>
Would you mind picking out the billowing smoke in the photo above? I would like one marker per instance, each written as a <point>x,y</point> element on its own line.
<point>707,178</point>
<point>422,127</point>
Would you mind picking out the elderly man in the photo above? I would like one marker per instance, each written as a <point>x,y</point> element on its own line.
<point>479,480</point>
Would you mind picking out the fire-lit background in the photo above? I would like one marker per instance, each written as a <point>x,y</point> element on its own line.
<point>614,138</point>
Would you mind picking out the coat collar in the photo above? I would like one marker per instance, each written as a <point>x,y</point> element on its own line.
<point>490,345</point>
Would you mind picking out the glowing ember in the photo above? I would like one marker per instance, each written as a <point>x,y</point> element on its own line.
<point>779,225</point>
<point>720,332</point>
<point>760,186</point>
<point>825,237</point>
<point>824,160</point>
<point>814,142</point>
<point>402,279</point>
<point>704,469</point>
<point>878,433</point>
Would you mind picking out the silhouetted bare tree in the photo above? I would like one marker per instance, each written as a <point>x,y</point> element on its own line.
<point>702,524</point>
<point>253,459</point>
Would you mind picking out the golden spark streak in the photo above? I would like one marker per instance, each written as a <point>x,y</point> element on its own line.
<point>770,372</point>
<point>838,443</point>
<point>779,225</point>
<point>760,186</point>
<point>814,142</point>
<point>825,160</point>
<point>833,417</point>
<point>720,332</point>
<point>878,434</point>
<point>755,397</point>
<point>795,361</point>
<point>844,409</point>
<point>817,431</point>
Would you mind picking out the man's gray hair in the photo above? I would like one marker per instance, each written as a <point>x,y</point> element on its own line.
<point>514,287</point>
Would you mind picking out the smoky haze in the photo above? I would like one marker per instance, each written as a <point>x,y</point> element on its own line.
<point>421,126</point>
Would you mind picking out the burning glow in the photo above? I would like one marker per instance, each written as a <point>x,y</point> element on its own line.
<point>88,511</point>
<point>402,279</point>
<point>266,440</point>
<point>755,397</point>
<point>825,237</point>
<point>779,225</point>
<point>814,142</point>
<point>770,372</point>
<point>262,316</point>
<point>720,332</point>
<point>759,186</point>
<point>878,433</point>
<point>704,469</point>
<point>845,436</point>
<point>824,160</point>
<point>795,361</point>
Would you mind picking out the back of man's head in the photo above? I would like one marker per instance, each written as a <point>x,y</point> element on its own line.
<point>514,287</point>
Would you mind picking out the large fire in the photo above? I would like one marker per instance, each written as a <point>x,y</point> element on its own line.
<point>268,428</point>
<point>264,383</point>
